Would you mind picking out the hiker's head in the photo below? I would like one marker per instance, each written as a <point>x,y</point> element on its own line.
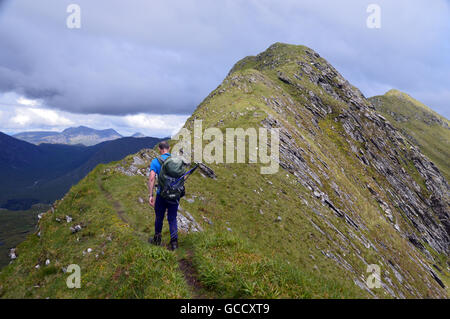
<point>163,147</point>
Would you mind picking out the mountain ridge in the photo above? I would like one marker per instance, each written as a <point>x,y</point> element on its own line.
<point>351,192</point>
<point>421,125</point>
<point>442,120</point>
<point>72,136</point>
<point>44,172</point>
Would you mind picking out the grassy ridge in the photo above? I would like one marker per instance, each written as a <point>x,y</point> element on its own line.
<point>266,236</point>
<point>424,127</point>
<point>123,265</point>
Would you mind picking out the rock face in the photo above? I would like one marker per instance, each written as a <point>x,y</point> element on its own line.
<point>139,165</point>
<point>186,222</point>
<point>381,146</point>
<point>346,154</point>
<point>421,126</point>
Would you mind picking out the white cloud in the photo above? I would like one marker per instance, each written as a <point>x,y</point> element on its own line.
<point>26,117</point>
<point>50,117</point>
<point>21,120</point>
<point>27,102</point>
<point>169,123</point>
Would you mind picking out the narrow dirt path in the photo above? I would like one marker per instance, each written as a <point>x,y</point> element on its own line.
<point>185,263</point>
<point>120,212</point>
<point>191,276</point>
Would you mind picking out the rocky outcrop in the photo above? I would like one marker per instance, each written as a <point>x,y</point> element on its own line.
<point>186,222</point>
<point>138,165</point>
<point>312,104</point>
<point>12,254</point>
<point>383,148</point>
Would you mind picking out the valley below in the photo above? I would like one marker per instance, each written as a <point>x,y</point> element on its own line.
<point>15,226</point>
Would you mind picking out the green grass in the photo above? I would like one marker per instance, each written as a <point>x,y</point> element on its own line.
<point>230,267</point>
<point>121,264</point>
<point>220,205</point>
<point>128,267</point>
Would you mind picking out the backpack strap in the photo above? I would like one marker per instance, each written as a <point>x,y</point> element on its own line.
<point>160,160</point>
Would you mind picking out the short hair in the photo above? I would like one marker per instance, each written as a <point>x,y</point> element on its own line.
<point>163,145</point>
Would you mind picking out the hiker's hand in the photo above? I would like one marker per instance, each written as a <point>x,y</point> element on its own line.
<point>151,201</point>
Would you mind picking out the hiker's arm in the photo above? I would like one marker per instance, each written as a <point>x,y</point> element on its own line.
<point>151,184</point>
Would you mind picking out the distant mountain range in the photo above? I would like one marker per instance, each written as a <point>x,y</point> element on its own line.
<point>42,173</point>
<point>71,136</point>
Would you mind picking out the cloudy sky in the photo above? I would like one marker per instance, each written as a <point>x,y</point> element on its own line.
<point>144,65</point>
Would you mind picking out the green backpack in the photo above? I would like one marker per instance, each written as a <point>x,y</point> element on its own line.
<point>169,179</point>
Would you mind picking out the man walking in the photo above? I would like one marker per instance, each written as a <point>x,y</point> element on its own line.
<point>161,204</point>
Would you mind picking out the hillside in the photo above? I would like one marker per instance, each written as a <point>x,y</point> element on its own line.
<point>351,191</point>
<point>16,153</point>
<point>419,124</point>
<point>43,173</point>
<point>71,136</point>
<point>14,228</point>
<point>103,153</point>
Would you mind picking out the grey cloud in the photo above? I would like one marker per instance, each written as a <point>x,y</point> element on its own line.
<point>166,56</point>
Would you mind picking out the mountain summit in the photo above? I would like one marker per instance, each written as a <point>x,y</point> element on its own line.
<point>138,135</point>
<point>87,130</point>
<point>353,196</point>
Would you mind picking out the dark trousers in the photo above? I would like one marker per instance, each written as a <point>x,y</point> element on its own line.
<point>161,205</point>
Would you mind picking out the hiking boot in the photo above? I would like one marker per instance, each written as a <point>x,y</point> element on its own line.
<point>156,240</point>
<point>173,244</point>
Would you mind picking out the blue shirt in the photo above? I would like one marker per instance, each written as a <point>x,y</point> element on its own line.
<point>156,166</point>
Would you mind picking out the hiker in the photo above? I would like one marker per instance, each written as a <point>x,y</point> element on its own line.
<point>160,203</point>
